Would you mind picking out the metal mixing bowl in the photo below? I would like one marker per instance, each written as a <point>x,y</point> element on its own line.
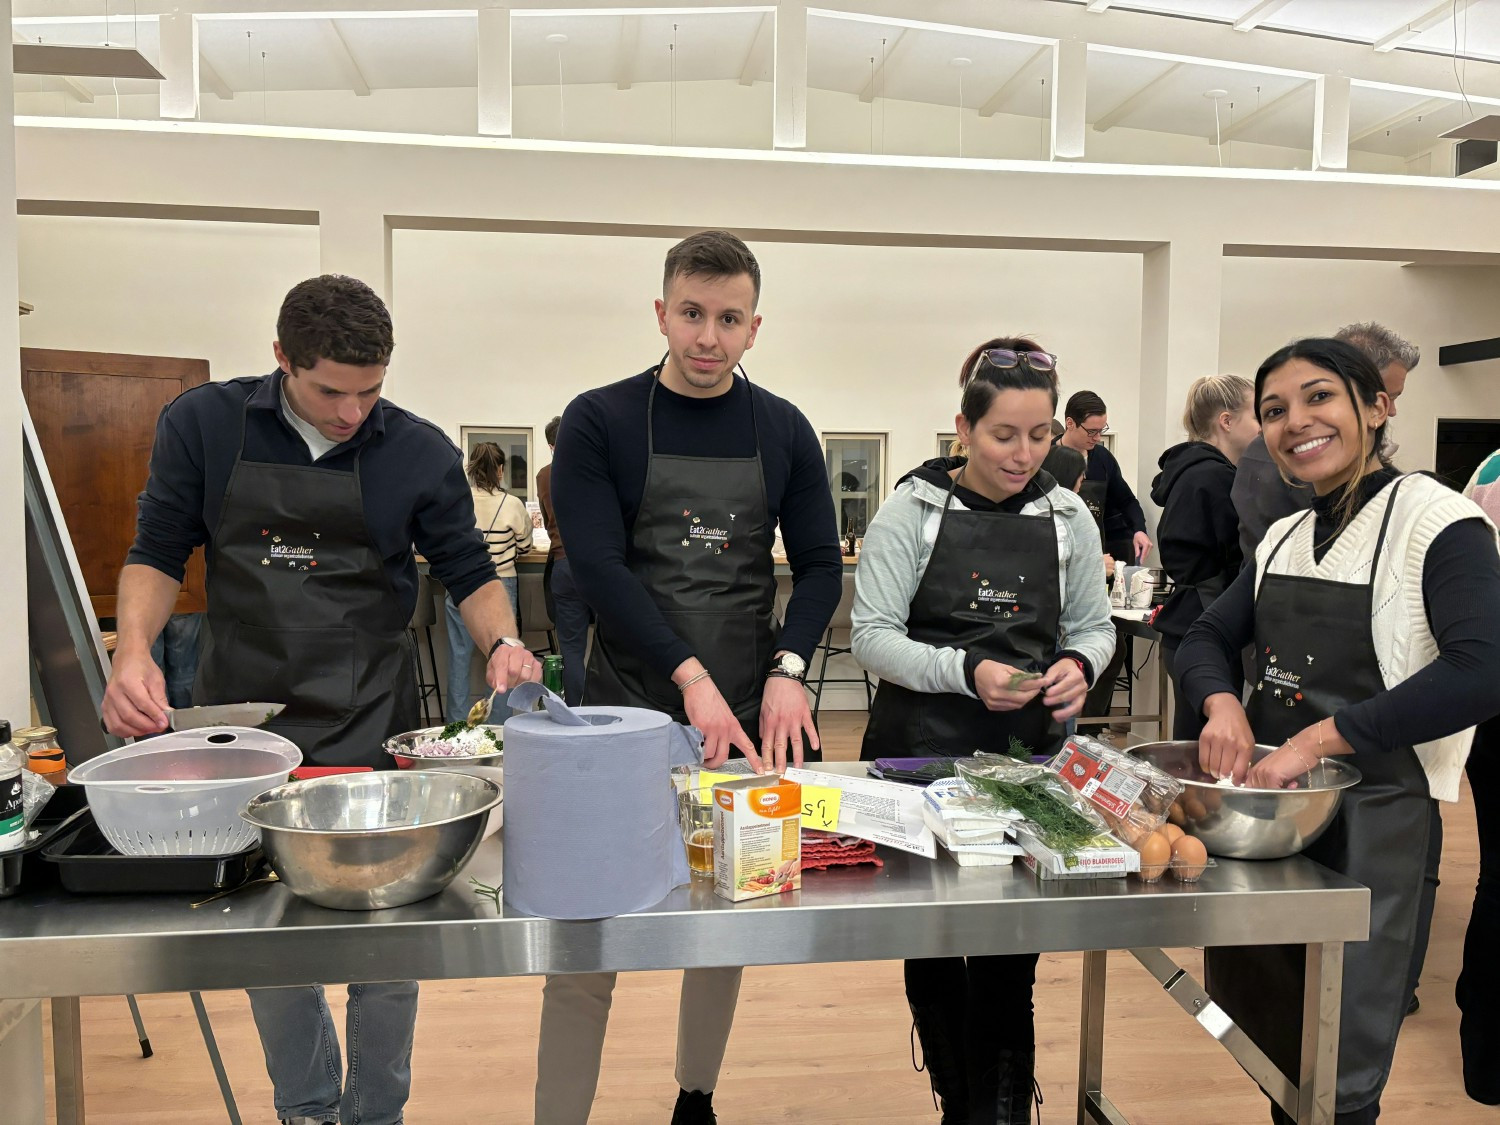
<point>1251,823</point>
<point>366,841</point>
<point>402,747</point>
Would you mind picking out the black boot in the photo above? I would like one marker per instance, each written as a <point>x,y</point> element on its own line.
<point>942,1058</point>
<point>694,1107</point>
<point>1003,1094</point>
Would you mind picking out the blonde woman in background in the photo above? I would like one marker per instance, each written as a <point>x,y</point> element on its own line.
<point>506,526</point>
<point>1198,534</point>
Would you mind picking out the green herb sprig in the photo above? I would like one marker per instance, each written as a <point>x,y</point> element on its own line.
<point>484,890</point>
<point>1057,824</point>
<point>1018,750</point>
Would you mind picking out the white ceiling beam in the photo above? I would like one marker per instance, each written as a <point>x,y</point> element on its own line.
<point>900,37</point>
<point>212,81</point>
<point>1331,122</point>
<point>760,46</point>
<point>789,77</point>
<point>1012,85</point>
<point>74,88</point>
<point>345,57</point>
<point>1070,97</point>
<point>1450,9</point>
<point>1134,102</point>
<point>1259,14</point>
<point>495,92</point>
<point>179,63</point>
<point>625,52</point>
<point>1098,5</point>
<point>1396,120</point>
<point>1256,116</point>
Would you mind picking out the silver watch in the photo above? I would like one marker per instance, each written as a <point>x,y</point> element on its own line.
<point>788,664</point>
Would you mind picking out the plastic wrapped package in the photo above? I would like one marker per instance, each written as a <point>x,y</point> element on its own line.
<point>1133,796</point>
<point>1051,811</point>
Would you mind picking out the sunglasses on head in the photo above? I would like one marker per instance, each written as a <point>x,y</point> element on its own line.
<point>1008,357</point>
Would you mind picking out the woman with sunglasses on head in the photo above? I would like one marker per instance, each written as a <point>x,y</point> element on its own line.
<point>1375,619</point>
<point>1198,533</point>
<point>980,604</point>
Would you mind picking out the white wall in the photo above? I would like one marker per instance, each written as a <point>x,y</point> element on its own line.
<point>711,114</point>
<point>1267,302</point>
<point>148,287</point>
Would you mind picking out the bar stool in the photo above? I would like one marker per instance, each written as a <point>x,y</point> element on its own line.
<point>419,629</point>
<point>842,620</point>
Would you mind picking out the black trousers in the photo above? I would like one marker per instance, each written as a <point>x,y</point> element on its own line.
<point>982,999</point>
<point>1478,990</point>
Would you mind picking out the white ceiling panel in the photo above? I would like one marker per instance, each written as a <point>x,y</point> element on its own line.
<point>707,46</point>
<point>258,54</point>
<point>1363,20</point>
<point>414,53</point>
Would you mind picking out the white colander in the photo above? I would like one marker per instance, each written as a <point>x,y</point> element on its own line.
<point>181,793</point>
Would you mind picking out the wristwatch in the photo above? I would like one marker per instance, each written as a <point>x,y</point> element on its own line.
<point>790,665</point>
<point>513,642</point>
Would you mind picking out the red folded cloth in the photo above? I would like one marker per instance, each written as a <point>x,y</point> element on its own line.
<point>821,850</point>
<point>303,773</point>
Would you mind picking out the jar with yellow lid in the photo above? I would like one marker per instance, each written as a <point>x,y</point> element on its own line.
<point>43,754</point>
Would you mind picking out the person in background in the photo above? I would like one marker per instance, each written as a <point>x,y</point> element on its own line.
<point>1262,494</point>
<point>976,569</point>
<point>1066,466</point>
<point>1198,534</point>
<point>1478,989</point>
<point>668,487</point>
<point>309,492</point>
<point>1122,524</point>
<point>506,525</point>
<point>565,605</point>
<point>1375,620</point>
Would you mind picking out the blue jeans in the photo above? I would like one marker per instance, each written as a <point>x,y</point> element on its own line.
<point>176,654</point>
<point>571,620</point>
<point>305,1064</point>
<point>461,651</point>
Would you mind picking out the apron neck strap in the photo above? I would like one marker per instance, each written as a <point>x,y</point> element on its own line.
<point>1385,523</point>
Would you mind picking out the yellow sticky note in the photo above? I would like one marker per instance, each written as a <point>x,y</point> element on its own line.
<point>820,807</point>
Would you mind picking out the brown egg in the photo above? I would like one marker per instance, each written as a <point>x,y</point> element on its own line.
<point>1189,858</point>
<point>1156,853</point>
<point>1172,832</point>
<point>1174,814</point>
<point>1194,809</point>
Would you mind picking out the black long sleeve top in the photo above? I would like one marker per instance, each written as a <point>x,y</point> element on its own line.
<point>1461,595</point>
<point>1122,511</point>
<point>599,475</point>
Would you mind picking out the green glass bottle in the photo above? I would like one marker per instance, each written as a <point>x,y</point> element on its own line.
<point>552,678</point>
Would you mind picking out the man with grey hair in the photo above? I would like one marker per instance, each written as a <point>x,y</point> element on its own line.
<point>1261,495</point>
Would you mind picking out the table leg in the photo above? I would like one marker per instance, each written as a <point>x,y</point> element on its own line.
<point>67,1059</point>
<point>1093,1106</point>
<point>1317,1078</point>
<point>1163,695</point>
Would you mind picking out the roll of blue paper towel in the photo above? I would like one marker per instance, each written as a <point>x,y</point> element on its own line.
<point>591,826</point>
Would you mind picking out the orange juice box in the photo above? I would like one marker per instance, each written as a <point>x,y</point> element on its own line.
<point>757,837</point>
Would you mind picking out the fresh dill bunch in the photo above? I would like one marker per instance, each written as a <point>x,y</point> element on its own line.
<point>1055,822</point>
<point>1018,750</point>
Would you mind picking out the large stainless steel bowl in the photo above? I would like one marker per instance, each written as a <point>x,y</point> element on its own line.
<point>368,841</point>
<point>1251,823</point>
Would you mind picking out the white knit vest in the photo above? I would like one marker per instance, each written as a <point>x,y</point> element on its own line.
<point>1403,639</point>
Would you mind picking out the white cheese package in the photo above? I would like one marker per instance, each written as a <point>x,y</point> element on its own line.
<point>886,812</point>
<point>975,838</point>
<point>591,828</point>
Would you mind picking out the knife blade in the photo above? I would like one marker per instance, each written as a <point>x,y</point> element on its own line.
<point>223,715</point>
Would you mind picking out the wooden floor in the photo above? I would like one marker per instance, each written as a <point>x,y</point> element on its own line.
<point>814,1044</point>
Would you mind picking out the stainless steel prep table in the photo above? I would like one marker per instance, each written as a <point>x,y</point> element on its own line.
<point>63,946</point>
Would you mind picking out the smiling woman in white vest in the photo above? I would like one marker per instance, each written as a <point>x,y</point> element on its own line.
<point>1374,619</point>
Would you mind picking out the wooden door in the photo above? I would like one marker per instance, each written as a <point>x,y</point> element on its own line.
<point>95,416</point>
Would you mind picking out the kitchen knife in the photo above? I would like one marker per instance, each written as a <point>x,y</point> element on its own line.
<point>223,715</point>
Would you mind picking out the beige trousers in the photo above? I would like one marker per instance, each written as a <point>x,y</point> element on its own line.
<point>575,1014</point>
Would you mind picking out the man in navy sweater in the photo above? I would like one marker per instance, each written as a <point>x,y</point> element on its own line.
<point>669,486</point>
<point>306,490</point>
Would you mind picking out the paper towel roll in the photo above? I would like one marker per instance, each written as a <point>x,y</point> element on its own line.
<point>591,825</point>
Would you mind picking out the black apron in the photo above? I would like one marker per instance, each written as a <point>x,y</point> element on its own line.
<point>1314,656</point>
<point>1093,493</point>
<point>302,612</point>
<point>701,546</point>
<point>991,586</point>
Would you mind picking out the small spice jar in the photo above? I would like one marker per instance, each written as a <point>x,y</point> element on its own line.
<point>43,755</point>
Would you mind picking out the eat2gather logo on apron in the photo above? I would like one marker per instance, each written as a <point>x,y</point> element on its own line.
<point>298,557</point>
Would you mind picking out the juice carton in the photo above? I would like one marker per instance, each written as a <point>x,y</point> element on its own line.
<point>757,837</point>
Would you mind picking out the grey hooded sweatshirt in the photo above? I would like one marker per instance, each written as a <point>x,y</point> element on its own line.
<point>898,545</point>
